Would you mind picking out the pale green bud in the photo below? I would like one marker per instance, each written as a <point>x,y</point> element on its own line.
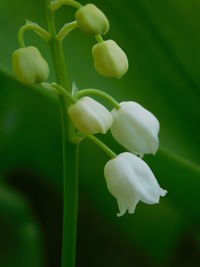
<point>109,59</point>
<point>29,66</point>
<point>91,20</point>
<point>89,116</point>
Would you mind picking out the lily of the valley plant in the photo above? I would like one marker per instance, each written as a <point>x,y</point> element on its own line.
<point>128,177</point>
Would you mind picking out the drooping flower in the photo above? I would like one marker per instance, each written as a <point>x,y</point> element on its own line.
<point>89,116</point>
<point>130,180</point>
<point>91,20</point>
<point>109,59</point>
<point>135,128</point>
<point>29,66</point>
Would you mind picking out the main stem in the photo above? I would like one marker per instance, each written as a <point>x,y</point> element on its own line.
<point>70,151</point>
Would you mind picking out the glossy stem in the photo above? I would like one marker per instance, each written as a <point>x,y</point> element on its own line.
<point>55,5</point>
<point>61,90</point>
<point>101,145</point>
<point>66,29</point>
<point>99,38</point>
<point>100,93</point>
<point>32,27</point>
<point>70,151</point>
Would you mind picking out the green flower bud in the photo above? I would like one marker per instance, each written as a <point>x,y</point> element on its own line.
<point>29,66</point>
<point>109,59</point>
<point>91,20</point>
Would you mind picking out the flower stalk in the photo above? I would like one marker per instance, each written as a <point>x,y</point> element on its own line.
<point>70,150</point>
<point>103,147</point>
<point>32,26</point>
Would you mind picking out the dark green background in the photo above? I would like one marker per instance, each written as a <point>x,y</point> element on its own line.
<point>162,40</point>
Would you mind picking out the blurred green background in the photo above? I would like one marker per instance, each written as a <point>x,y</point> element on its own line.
<point>162,40</point>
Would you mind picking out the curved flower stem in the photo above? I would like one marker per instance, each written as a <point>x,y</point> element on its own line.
<point>62,91</point>
<point>100,144</point>
<point>84,92</point>
<point>66,29</point>
<point>70,150</point>
<point>33,27</point>
<point>55,5</point>
<point>98,93</point>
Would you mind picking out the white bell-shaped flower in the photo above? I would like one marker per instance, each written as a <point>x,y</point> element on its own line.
<point>130,180</point>
<point>135,128</point>
<point>89,116</point>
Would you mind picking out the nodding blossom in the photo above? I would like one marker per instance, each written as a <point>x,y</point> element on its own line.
<point>135,128</point>
<point>130,180</point>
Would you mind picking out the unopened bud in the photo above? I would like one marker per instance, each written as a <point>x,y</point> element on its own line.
<point>29,66</point>
<point>89,116</point>
<point>109,59</point>
<point>91,20</point>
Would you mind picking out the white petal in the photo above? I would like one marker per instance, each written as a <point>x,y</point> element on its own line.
<point>142,179</point>
<point>89,116</point>
<point>129,179</point>
<point>132,210</point>
<point>163,192</point>
<point>135,128</point>
<point>118,183</point>
<point>122,208</point>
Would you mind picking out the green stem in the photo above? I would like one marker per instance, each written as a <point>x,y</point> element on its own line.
<point>70,151</point>
<point>98,93</point>
<point>70,195</point>
<point>82,93</point>
<point>99,38</point>
<point>57,52</point>
<point>33,27</point>
<point>100,144</point>
<point>62,90</point>
<point>55,5</point>
<point>66,29</point>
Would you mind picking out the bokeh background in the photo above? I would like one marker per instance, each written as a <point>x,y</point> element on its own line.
<point>162,40</point>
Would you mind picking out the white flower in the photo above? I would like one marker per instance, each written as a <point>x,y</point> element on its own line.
<point>135,128</point>
<point>130,180</point>
<point>89,116</point>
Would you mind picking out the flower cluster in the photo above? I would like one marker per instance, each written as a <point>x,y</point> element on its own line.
<point>128,177</point>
